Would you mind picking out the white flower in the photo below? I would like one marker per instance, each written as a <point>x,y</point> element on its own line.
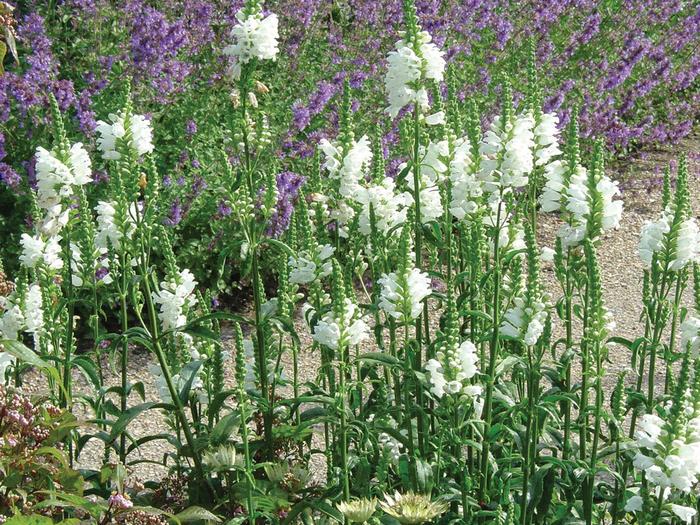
<point>141,135</point>
<point>467,189</point>
<point>254,36</point>
<point>634,504</point>
<point>12,320</point>
<point>525,321</point>
<point>507,153</point>
<point>684,513</point>
<point>6,361</point>
<point>173,298</point>
<point>654,238</point>
<point>651,238</point>
<point>547,254</point>
<point>546,139</point>
<point>349,329</point>
<point>435,119</point>
<point>306,268</point>
<point>55,179</point>
<point>577,204</point>
<point>451,371</point>
<point>554,190</point>
<point>687,244</point>
<point>36,251</point>
<point>54,220</point>
<point>33,310</point>
<point>389,207</point>
<point>406,71</point>
<point>402,295</point>
<point>348,167</point>
<point>690,335</point>
<point>649,430</point>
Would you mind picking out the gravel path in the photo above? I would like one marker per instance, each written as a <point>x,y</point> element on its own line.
<point>621,271</point>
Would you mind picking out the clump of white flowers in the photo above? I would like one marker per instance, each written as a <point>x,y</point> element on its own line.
<point>346,327</point>
<point>174,298</point>
<point>12,319</point>
<point>310,265</point>
<point>343,326</point>
<point>255,37</point>
<point>572,189</point>
<point>348,164</point>
<point>684,245</point>
<point>669,460</point>
<point>56,179</point>
<point>507,151</point>
<point>404,291</point>
<point>36,250</point>
<point>467,188</point>
<point>415,61</point>
<point>546,134</point>
<point>525,321</point>
<point>402,295</point>
<point>388,206</point>
<point>690,336</point>
<point>139,136</point>
<point>450,372</point>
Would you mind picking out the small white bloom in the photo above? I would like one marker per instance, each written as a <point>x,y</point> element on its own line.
<point>350,329</point>
<point>35,251</point>
<point>690,335</point>
<point>507,153</point>
<point>11,321</point>
<point>173,298</point>
<point>547,254</point>
<point>402,295</point>
<point>467,188</point>
<point>351,167</point>
<point>109,132</point>
<point>406,70</point>
<point>634,504</point>
<point>306,267</point>
<point>684,513</point>
<point>435,119</point>
<point>56,179</point>
<point>255,37</point>
<point>388,206</point>
<point>33,310</point>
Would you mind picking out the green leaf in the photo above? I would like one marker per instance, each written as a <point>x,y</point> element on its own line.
<point>379,358</point>
<point>223,429</point>
<point>190,372</point>
<point>128,416</point>
<point>193,514</point>
<point>34,519</point>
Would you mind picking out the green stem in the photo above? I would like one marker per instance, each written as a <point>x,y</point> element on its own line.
<point>493,355</point>
<point>262,357</point>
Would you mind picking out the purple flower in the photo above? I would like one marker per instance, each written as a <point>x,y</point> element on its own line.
<point>288,185</point>
<point>9,176</point>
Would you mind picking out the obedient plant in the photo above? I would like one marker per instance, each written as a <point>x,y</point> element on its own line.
<point>391,351</point>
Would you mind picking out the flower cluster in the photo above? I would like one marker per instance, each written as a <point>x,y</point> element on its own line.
<point>347,329</point>
<point>134,129</point>
<point>413,63</point>
<point>256,37</point>
<point>451,371</point>
<point>174,298</point>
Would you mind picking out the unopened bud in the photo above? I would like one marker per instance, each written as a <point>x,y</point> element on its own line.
<point>252,99</point>
<point>235,98</point>
<point>261,88</point>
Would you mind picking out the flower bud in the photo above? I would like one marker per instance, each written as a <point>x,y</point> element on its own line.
<point>261,88</point>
